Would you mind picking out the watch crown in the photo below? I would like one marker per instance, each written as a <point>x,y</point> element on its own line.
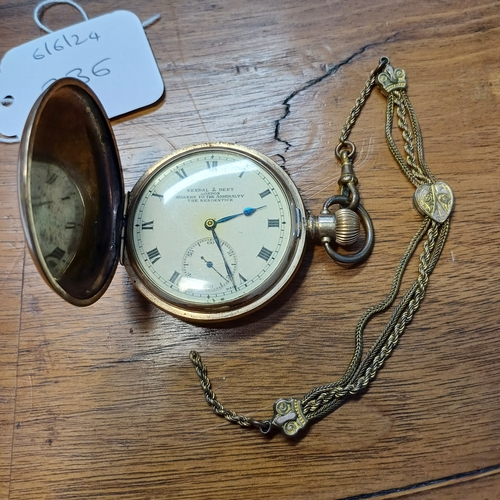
<point>347,227</point>
<point>341,227</point>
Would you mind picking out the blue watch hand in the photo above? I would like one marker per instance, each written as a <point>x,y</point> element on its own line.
<point>247,212</point>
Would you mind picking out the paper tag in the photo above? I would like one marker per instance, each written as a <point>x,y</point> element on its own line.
<point>109,53</point>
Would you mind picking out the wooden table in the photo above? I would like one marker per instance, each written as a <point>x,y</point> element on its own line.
<point>103,402</point>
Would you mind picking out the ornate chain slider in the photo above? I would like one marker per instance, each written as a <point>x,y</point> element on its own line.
<point>432,199</point>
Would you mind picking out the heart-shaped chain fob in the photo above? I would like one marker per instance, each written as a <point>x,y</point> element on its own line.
<point>434,200</point>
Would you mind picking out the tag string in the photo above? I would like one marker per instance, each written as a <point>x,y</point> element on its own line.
<point>46,4</point>
<point>434,201</point>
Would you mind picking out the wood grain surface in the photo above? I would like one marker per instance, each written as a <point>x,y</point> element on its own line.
<point>103,402</point>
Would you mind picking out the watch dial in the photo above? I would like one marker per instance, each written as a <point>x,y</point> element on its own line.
<point>212,228</point>
<point>58,215</point>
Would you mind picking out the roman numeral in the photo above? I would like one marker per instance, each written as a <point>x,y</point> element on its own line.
<point>51,179</point>
<point>273,223</point>
<point>147,225</point>
<point>265,193</point>
<point>175,277</point>
<point>181,173</point>
<point>57,253</point>
<point>212,164</point>
<point>265,253</point>
<point>154,255</point>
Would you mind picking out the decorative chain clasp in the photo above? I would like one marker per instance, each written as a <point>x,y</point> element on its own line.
<point>288,416</point>
<point>391,78</point>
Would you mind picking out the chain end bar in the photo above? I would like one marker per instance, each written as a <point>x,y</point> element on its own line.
<point>288,416</point>
<point>389,78</point>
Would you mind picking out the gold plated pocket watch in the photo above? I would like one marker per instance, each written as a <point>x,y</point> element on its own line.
<point>213,231</point>
<point>210,233</point>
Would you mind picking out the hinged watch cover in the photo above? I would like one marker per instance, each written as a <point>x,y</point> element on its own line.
<point>71,193</point>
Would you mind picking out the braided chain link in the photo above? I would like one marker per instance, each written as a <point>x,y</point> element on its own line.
<point>324,399</point>
<point>318,402</point>
<point>360,102</point>
<point>212,400</point>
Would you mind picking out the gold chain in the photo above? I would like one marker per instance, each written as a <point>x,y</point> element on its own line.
<point>360,101</point>
<point>434,200</point>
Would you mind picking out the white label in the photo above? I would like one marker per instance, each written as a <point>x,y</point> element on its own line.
<point>109,53</point>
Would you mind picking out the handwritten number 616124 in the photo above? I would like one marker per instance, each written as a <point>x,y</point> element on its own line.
<point>62,43</point>
<point>83,75</point>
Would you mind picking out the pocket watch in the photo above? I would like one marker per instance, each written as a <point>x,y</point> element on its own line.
<point>211,232</point>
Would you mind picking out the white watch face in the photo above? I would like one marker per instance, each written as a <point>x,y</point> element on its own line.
<point>214,228</point>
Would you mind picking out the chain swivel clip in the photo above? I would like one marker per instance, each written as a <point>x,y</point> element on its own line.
<point>343,226</point>
<point>348,181</point>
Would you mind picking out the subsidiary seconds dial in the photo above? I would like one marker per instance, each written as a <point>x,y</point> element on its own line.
<point>215,230</point>
<point>204,265</point>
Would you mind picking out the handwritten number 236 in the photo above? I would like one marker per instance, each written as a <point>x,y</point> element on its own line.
<point>78,73</point>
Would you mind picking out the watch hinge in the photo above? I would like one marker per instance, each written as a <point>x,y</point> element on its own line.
<point>123,226</point>
<point>298,214</point>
